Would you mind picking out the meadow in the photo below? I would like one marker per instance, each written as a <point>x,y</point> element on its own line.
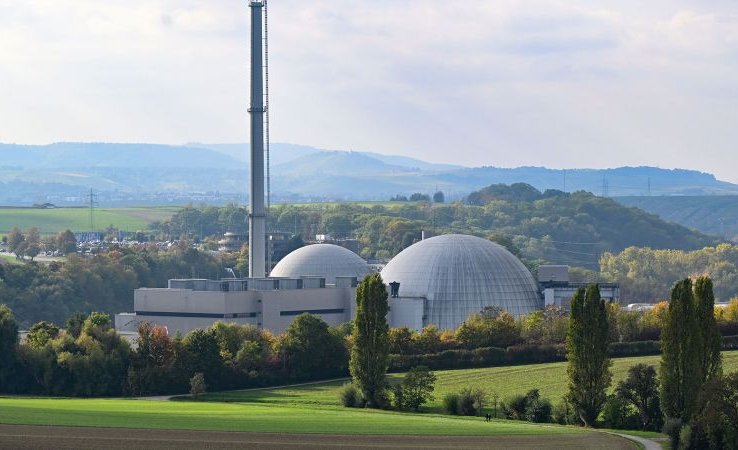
<point>258,417</point>
<point>54,220</point>
<point>550,379</point>
<point>314,408</point>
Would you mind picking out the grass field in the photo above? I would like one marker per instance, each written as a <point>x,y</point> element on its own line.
<point>550,379</point>
<point>276,417</point>
<point>314,408</point>
<point>54,220</point>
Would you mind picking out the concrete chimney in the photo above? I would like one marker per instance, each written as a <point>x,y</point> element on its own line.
<point>257,216</point>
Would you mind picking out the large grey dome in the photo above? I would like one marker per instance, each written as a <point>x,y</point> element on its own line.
<point>459,275</point>
<point>321,260</point>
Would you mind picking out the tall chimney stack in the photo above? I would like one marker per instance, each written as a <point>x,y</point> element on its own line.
<point>257,216</point>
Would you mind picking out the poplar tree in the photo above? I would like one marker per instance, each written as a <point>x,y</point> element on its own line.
<point>586,351</point>
<point>370,352</point>
<point>710,340</point>
<point>680,369</point>
<point>8,348</point>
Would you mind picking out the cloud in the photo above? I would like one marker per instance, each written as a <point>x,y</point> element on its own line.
<point>547,82</point>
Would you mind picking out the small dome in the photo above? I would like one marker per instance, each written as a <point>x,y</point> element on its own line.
<point>459,275</point>
<point>321,260</point>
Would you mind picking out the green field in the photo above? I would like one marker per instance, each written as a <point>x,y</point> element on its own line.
<point>54,220</point>
<point>550,379</point>
<point>314,408</point>
<point>249,417</point>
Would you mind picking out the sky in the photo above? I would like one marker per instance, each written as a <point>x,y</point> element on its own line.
<point>560,84</point>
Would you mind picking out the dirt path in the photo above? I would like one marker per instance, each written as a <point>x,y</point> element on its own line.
<point>648,444</point>
<point>39,437</point>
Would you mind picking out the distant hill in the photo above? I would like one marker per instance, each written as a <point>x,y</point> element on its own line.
<point>61,173</point>
<point>716,215</point>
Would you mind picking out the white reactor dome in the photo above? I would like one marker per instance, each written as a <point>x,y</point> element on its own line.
<point>459,275</point>
<point>321,260</point>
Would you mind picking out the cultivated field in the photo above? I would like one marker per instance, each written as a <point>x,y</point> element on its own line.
<point>34,437</point>
<point>54,220</point>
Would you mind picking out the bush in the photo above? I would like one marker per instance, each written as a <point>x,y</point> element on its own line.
<point>685,437</point>
<point>514,407</point>
<point>616,414</point>
<point>565,414</point>
<point>471,401</point>
<point>537,409</point>
<point>398,397</point>
<point>672,428</point>
<point>452,404</point>
<point>417,387</point>
<point>730,343</point>
<point>197,385</point>
<point>350,396</point>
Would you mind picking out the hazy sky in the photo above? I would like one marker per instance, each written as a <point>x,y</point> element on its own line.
<point>505,83</point>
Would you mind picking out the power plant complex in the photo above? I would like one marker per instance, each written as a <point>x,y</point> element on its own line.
<point>439,280</point>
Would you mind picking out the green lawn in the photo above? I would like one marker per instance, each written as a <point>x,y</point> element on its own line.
<point>550,379</point>
<point>313,408</point>
<point>249,417</point>
<point>54,220</point>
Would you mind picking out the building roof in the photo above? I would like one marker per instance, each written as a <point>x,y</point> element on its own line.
<point>321,260</point>
<point>460,275</point>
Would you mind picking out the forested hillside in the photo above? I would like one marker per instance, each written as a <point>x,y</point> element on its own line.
<point>712,214</point>
<point>647,275</point>
<point>568,228</point>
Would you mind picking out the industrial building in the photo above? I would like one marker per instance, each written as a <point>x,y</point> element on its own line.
<point>439,280</point>
<point>557,290</point>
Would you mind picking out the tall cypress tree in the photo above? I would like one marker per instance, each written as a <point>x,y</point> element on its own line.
<point>586,351</point>
<point>680,369</point>
<point>8,348</point>
<point>710,339</point>
<point>370,352</point>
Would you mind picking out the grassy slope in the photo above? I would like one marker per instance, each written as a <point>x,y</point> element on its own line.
<point>78,219</point>
<point>550,379</point>
<point>313,408</point>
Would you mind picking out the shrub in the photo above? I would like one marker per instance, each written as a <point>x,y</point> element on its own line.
<point>471,401</point>
<point>398,397</point>
<point>452,403</point>
<point>514,407</point>
<point>417,387</point>
<point>197,385</point>
<point>565,414</point>
<point>350,396</point>
<point>672,428</point>
<point>685,437</point>
<point>616,414</point>
<point>537,409</point>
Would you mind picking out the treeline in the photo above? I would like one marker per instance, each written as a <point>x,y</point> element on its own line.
<point>88,358</point>
<point>540,332</point>
<point>645,274</point>
<point>571,228</point>
<point>103,282</point>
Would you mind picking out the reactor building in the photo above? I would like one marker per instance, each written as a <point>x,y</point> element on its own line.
<point>439,281</point>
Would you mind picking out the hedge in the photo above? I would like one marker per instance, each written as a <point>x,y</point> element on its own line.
<point>522,354</point>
